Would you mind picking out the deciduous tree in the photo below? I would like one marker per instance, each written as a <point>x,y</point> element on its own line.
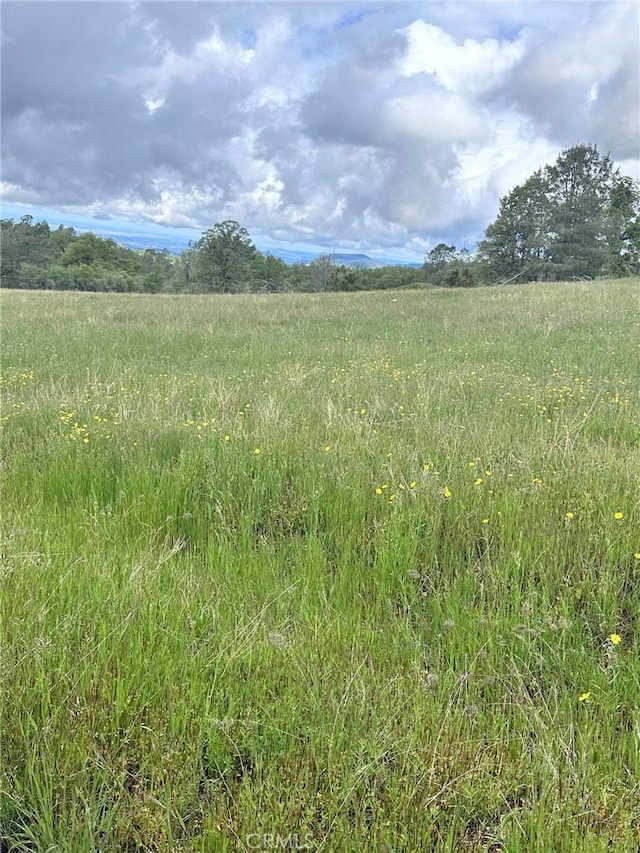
<point>223,257</point>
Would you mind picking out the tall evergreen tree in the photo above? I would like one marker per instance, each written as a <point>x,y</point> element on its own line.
<point>578,189</point>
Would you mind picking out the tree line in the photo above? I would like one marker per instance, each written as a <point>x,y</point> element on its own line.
<point>578,218</point>
<point>224,260</point>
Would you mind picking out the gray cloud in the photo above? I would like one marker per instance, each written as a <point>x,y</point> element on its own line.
<point>390,125</point>
<point>582,82</point>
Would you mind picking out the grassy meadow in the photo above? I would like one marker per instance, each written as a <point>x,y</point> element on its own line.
<point>339,572</point>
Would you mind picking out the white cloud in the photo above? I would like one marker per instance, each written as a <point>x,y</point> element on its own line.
<point>471,66</point>
<point>209,55</point>
<point>433,117</point>
<point>490,170</point>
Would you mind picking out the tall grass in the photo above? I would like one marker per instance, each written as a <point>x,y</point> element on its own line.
<point>334,572</point>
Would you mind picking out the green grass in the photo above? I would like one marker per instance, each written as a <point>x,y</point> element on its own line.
<point>374,634</point>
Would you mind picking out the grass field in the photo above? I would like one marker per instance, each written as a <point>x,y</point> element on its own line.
<point>328,572</point>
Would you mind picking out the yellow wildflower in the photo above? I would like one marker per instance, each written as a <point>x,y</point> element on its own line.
<point>616,639</point>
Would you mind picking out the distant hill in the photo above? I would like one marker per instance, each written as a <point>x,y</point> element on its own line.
<point>347,259</point>
<point>342,259</point>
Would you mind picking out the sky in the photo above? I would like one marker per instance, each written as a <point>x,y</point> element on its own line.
<point>382,128</point>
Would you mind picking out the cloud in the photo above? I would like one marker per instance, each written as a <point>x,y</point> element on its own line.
<point>347,125</point>
<point>582,82</point>
<point>470,66</point>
